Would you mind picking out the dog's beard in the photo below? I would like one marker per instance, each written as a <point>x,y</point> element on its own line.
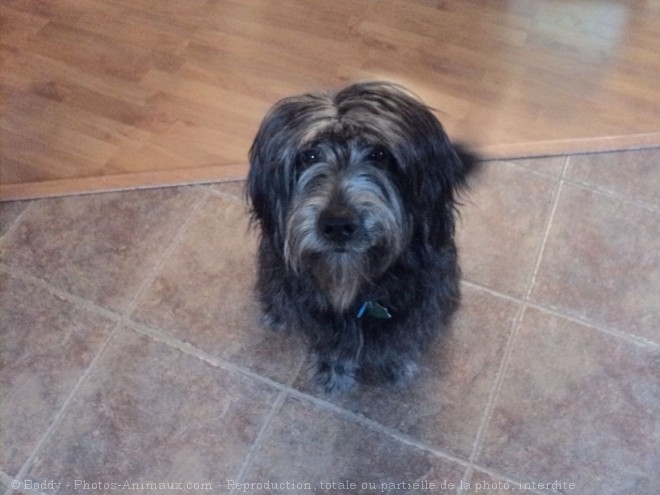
<point>340,275</point>
<point>343,269</point>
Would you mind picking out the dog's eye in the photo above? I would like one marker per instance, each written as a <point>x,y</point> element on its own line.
<point>311,156</point>
<point>378,154</point>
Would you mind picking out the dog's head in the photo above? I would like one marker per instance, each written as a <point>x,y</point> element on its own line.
<point>343,183</point>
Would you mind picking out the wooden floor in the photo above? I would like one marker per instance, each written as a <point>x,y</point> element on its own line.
<point>101,95</point>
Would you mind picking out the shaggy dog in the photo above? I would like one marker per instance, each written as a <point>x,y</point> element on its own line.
<point>355,194</point>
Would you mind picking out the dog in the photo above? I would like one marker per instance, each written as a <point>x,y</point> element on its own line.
<point>355,196</point>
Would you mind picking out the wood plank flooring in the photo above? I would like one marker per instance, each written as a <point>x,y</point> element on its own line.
<point>116,94</point>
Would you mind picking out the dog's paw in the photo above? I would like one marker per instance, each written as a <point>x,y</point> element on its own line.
<point>273,322</point>
<point>336,377</point>
<point>400,372</point>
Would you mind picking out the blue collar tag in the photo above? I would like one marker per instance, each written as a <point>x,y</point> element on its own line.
<point>371,308</point>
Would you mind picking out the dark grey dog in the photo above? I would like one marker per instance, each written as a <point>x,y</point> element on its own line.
<point>354,193</point>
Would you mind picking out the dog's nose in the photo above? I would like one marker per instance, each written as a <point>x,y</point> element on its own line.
<point>338,227</point>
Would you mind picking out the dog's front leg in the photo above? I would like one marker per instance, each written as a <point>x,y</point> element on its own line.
<point>338,351</point>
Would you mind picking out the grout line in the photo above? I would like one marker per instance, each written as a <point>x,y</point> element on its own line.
<point>225,195</point>
<point>497,385</point>
<point>166,254</point>
<point>256,446</point>
<point>609,193</point>
<point>507,479</point>
<point>375,426</point>
<point>17,220</point>
<point>630,338</point>
<point>546,233</point>
<point>492,292</point>
<point>605,191</point>
<point>466,480</point>
<point>515,162</point>
<point>61,294</point>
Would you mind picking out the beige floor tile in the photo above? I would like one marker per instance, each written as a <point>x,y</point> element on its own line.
<point>635,174</point>
<point>600,263</point>
<point>502,225</point>
<point>100,247</point>
<point>311,445</point>
<point>577,405</point>
<point>204,295</point>
<point>152,414</point>
<point>47,346</point>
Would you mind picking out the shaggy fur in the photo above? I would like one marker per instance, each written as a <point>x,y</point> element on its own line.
<point>354,193</point>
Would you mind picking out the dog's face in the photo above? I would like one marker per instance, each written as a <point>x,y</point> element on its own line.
<point>343,184</point>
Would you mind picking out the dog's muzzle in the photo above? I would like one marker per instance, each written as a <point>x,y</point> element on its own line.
<point>339,226</point>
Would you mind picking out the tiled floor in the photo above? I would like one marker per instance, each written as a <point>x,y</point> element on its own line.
<point>132,352</point>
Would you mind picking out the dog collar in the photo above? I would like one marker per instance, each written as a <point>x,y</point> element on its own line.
<point>372,308</point>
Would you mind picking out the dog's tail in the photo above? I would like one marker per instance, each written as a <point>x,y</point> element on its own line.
<point>471,161</point>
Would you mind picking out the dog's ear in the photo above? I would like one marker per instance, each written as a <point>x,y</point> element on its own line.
<point>448,167</point>
<point>269,183</point>
<point>433,169</point>
<point>274,159</point>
